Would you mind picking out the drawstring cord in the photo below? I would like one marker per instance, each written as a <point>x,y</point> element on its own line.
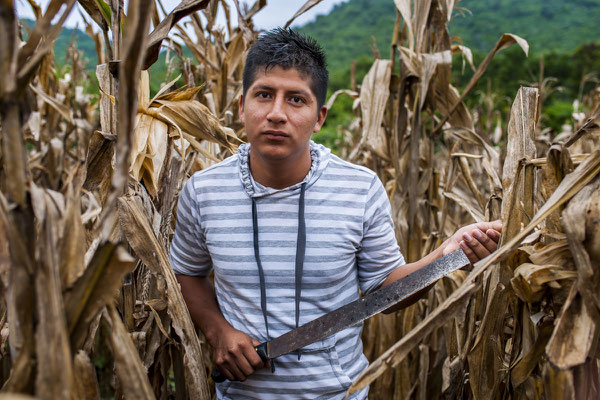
<point>300,253</point>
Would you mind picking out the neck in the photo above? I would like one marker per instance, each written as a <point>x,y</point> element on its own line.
<point>279,174</point>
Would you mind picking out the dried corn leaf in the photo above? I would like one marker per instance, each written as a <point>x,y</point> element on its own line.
<point>580,221</point>
<point>558,384</point>
<point>429,64</point>
<point>73,246</point>
<point>591,125</point>
<point>236,52</point>
<point>130,370</point>
<point>335,95</point>
<point>529,279</point>
<point>374,94</point>
<point>142,239</point>
<point>420,23</point>
<point>154,40</point>
<point>573,335</point>
<point>506,40</point>
<point>554,253</point>
<point>470,136</point>
<point>523,368</point>
<point>143,124</point>
<point>466,174</point>
<point>307,6</point>
<point>558,164</point>
<point>20,303</point>
<point>86,383</point>
<point>194,118</point>
<point>64,110</point>
<point>466,53</point>
<point>485,358</point>
<point>467,206</point>
<point>97,287</point>
<point>91,7</point>
<point>156,152</point>
<point>54,378</point>
<point>592,235</point>
<point>243,23</point>
<point>571,185</point>
<point>444,99</point>
<point>404,7</point>
<point>521,145</point>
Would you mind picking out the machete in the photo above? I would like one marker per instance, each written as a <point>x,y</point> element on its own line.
<point>359,310</point>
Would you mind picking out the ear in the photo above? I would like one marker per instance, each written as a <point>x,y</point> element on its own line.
<point>241,109</point>
<point>320,119</point>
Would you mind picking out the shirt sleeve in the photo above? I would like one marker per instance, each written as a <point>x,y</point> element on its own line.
<point>189,254</point>
<point>379,253</point>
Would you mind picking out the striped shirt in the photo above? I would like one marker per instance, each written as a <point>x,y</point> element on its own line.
<point>350,244</point>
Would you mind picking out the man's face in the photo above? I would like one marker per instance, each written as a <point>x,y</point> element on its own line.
<point>280,114</point>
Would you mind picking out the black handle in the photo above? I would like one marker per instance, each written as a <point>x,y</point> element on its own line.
<point>261,349</point>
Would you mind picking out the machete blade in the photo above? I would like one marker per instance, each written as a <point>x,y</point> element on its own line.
<point>365,307</point>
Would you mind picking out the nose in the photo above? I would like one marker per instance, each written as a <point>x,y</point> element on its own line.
<point>277,112</point>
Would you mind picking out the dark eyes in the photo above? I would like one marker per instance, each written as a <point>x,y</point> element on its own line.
<point>291,99</point>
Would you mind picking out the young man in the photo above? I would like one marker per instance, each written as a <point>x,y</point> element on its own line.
<point>291,232</point>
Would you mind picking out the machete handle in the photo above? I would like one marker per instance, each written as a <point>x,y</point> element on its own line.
<point>261,349</point>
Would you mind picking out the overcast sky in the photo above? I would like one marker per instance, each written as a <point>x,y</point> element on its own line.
<point>276,13</point>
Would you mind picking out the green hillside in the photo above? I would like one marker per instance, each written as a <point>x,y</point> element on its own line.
<point>347,32</point>
<point>67,35</point>
<point>354,28</point>
<point>548,25</point>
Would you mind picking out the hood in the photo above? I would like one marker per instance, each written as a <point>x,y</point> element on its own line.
<point>319,155</point>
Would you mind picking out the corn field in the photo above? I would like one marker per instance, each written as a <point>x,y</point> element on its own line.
<point>89,185</point>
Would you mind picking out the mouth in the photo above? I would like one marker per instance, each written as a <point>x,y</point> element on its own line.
<point>275,135</point>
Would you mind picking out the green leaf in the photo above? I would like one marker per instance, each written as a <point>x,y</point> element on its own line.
<point>105,10</point>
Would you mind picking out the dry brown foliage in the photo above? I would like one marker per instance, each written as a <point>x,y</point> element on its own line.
<point>91,307</point>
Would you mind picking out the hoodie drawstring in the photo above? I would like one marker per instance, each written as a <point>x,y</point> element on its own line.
<point>300,253</point>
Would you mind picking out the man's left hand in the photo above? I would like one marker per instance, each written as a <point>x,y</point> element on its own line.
<point>477,240</point>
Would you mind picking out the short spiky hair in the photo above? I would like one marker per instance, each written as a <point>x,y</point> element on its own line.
<point>288,49</point>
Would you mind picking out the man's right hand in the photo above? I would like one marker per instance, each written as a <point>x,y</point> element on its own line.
<point>233,350</point>
<point>235,356</point>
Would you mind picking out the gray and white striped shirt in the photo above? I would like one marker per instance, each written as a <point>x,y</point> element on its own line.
<point>350,244</point>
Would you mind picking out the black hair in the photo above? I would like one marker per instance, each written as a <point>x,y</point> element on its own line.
<point>288,49</point>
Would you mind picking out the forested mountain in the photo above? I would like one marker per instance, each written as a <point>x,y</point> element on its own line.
<point>355,27</point>
<point>347,32</point>
<point>79,37</point>
<point>548,25</point>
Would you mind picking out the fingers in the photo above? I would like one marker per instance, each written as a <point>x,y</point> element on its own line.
<point>483,239</point>
<point>236,366</point>
<point>238,358</point>
<point>478,245</point>
<point>493,234</point>
<point>484,226</point>
<point>497,225</point>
